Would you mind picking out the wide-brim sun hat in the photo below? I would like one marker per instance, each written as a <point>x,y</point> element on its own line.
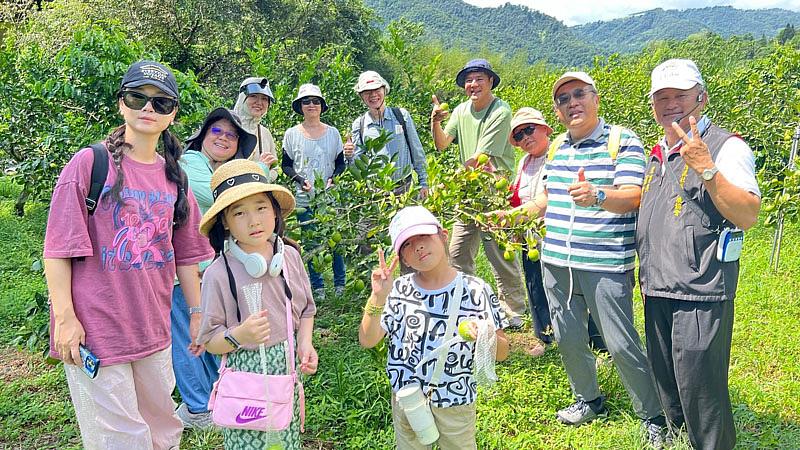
<point>238,179</point>
<point>370,80</point>
<point>524,116</point>
<point>477,65</point>
<point>247,140</point>
<point>308,90</point>
<point>681,74</point>
<point>572,76</point>
<point>412,221</point>
<point>142,73</point>
<point>257,85</point>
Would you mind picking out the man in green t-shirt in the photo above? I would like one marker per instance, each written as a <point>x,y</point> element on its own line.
<point>481,125</point>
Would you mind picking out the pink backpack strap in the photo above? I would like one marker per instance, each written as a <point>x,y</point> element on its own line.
<point>290,336</point>
<point>302,399</point>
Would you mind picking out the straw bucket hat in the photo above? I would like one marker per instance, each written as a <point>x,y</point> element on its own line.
<point>238,179</point>
<point>524,116</point>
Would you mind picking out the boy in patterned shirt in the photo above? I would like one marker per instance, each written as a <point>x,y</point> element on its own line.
<point>412,312</point>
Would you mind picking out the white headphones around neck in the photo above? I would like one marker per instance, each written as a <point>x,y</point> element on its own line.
<point>254,263</point>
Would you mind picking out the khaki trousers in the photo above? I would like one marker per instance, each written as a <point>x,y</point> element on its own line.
<point>456,428</point>
<point>464,242</point>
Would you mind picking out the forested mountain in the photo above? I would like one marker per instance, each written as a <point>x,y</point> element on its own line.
<point>508,29</point>
<point>514,29</point>
<point>632,33</point>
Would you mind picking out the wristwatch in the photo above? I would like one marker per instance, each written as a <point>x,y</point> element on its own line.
<point>231,340</point>
<point>708,174</point>
<point>600,197</point>
<point>195,309</point>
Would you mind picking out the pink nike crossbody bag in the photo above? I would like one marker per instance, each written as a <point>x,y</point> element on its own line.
<point>246,401</point>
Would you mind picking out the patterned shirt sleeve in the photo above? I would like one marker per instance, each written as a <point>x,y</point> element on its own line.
<point>490,299</point>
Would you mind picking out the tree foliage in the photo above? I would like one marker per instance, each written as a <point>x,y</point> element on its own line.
<point>59,73</point>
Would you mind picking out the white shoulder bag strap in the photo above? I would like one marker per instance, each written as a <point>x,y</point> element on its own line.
<point>452,315</point>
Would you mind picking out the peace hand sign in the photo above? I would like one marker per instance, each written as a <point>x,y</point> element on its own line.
<point>694,151</point>
<point>382,276</point>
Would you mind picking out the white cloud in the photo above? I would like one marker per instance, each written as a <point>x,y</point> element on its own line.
<point>575,12</point>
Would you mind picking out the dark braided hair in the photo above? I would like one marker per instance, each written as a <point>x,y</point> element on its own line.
<point>171,150</point>
<point>116,145</point>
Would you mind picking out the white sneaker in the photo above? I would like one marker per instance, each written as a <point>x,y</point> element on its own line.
<point>191,420</point>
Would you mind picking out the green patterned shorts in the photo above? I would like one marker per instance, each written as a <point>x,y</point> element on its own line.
<point>289,439</point>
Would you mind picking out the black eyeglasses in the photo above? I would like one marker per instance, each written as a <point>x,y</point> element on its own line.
<point>564,98</point>
<point>137,101</point>
<point>527,131</point>
<point>311,101</point>
<point>216,131</point>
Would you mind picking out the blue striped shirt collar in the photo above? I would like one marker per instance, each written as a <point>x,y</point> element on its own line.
<point>598,132</point>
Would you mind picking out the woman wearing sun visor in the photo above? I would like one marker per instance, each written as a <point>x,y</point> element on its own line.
<point>252,104</point>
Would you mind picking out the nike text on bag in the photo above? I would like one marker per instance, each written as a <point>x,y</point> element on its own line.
<point>239,401</point>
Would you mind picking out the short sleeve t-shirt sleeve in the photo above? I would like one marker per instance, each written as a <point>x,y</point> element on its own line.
<point>736,161</point>
<point>630,163</point>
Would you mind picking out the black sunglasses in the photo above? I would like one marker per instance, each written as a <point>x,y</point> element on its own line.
<point>137,101</point>
<point>564,98</point>
<point>527,131</point>
<point>311,100</point>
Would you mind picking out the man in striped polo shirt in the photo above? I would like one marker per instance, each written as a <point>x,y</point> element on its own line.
<point>594,178</point>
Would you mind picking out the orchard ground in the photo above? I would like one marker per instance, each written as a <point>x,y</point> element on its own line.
<point>347,401</point>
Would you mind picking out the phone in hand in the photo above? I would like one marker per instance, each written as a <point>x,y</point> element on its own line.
<point>90,364</point>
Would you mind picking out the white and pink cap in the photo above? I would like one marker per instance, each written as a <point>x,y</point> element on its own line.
<point>412,221</point>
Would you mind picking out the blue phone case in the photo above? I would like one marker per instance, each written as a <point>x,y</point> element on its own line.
<point>90,364</point>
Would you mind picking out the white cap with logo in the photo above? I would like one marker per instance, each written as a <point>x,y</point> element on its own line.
<point>680,74</point>
<point>412,221</point>
<point>370,80</point>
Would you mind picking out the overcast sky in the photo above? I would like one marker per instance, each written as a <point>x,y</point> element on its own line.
<point>573,12</point>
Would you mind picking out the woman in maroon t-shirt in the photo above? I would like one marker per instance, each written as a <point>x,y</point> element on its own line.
<point>110,273</point>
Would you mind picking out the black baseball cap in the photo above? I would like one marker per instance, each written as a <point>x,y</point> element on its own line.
<point>145,72</point>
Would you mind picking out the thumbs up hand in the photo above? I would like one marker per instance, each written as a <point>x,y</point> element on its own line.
<point>583,192</point>
<point>349,147</point>
<point>439,111</point>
